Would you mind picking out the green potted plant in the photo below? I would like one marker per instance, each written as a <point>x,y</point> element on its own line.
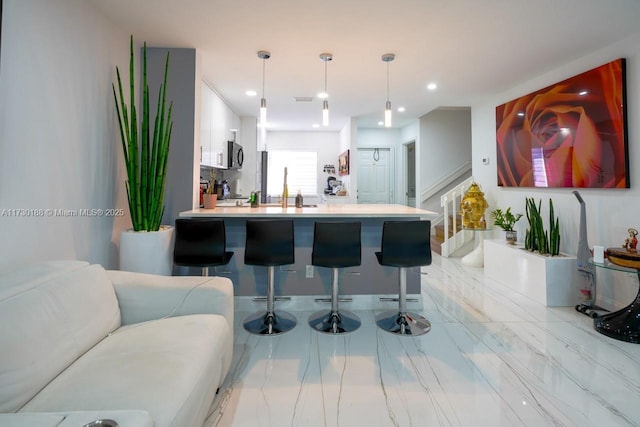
<point>506,220</point>
<point>210,197</point>
<point>537,238</point>
<point>145,145</point>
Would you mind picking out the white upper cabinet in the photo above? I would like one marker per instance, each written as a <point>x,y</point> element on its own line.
<point>205,125</point>
<point>217,122</point>
<point>218,131</point>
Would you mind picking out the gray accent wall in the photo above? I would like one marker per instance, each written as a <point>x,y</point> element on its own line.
<point>181,89</point>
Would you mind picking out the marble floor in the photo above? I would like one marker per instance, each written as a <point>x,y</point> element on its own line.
<point>493,358</point>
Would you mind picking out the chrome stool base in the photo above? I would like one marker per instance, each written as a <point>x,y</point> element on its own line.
<point>274,323</point>
<point>403,324</point>
<point>330,322</point>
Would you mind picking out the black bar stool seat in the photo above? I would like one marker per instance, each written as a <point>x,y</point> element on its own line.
<point>335,245</point>
<point>405,244</point>
<point>200,242</point>
<point>269,243</point>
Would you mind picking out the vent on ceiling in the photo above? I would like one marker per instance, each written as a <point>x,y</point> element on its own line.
<point>303,98</point>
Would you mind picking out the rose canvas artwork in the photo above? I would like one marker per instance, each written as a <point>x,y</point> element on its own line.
<point>571,134</point>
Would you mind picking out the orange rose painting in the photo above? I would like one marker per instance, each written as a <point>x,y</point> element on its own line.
<point>571,134</point>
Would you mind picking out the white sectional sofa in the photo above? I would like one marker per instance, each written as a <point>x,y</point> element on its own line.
<point>79,343</point>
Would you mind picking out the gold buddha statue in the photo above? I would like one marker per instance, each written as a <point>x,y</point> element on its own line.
<point>472,208</point>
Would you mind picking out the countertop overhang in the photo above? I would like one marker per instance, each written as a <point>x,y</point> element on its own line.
<point>321,210</point>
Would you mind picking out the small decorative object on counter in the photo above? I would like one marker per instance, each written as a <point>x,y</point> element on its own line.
<point>285,190</point>
<point>254,199</point>
<point>226,190</point>
<point>473,206</point>
<point>211,197</point>
<point>299,199</point>
<point>631,242</point>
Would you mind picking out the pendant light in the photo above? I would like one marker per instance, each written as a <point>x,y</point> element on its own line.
<point>387,57</point>
<point>325,57</point>
<point>264,55</point>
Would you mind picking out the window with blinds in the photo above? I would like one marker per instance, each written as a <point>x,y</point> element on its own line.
<point>302,172</point>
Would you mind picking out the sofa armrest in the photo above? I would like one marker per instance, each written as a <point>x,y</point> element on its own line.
<point>75,419</point>
<point>145,297</point>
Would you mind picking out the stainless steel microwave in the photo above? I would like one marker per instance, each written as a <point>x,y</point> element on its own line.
<point>235,155</point>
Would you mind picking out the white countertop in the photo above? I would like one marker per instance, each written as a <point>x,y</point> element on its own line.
<point>322,210</point>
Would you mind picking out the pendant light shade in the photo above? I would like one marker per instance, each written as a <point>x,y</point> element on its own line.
<point>387,57</point>
<point>264,55</point>
<point>325,57</point>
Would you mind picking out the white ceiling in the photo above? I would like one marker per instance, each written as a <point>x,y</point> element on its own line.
<point>470,48</point>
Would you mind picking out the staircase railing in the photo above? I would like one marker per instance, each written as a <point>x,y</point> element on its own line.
<point>450,202</point>
<point>444,182</point>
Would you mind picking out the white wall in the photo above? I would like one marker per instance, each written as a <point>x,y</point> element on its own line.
<point>59,147</point>
<point>326,144</point>
<point>410,133</point>
<point>347,134</point>
<point>609,212</point>
<point>445,144</point>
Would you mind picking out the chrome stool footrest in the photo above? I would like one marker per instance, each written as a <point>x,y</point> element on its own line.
<point>328,299</point>
<point>275,298</point>
<point>398,299</point>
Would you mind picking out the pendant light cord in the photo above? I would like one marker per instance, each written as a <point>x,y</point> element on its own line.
<point>325,78</point>
<point>387,81</point>
<point>263,73</point>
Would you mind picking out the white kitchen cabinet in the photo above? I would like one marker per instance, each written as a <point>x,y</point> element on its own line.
<point>236,129</point>
<point>206,97</point>
<point>219,126</point>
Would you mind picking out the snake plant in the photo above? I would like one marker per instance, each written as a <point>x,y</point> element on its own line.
<point>145,155</point>
<point>536,237</point>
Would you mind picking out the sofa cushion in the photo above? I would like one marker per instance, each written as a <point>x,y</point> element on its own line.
<point>51,313</point>
<point>169,367</point>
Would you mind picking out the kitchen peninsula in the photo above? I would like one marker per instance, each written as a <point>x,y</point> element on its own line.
<point>369,278</point>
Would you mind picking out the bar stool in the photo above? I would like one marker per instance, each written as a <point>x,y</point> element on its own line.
<point>269,243</point>
<point>404,244</point>
<point>335,245</point>
<point>200,242</point>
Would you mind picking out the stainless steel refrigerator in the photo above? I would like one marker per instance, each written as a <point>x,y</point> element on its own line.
<point>261,172</point>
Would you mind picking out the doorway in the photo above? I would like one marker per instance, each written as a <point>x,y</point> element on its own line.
<point>410,173</point>
<point>375,171</point>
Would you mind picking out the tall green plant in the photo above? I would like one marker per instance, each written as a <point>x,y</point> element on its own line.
<point>145,155</point>
<point>536,237</point>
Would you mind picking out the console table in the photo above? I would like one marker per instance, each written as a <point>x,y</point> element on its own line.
<point>623,324</point>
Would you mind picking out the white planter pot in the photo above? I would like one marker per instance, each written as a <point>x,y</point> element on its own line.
<point>552,281</point>
<point>147,251</point>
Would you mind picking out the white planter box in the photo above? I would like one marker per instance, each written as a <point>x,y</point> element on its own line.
<point>552,281</point>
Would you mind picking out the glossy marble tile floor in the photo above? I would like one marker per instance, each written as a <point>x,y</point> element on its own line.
<point>492,358</point>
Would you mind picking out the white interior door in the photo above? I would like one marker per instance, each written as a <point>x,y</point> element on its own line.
<point>374,175</point>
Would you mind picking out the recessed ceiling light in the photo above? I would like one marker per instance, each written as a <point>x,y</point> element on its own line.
<point>315,125</point>
<point>251,93</point>
<point>380,123</point>
<point>432,86</point>
<point>323,95</point>
<point>400,109</point>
